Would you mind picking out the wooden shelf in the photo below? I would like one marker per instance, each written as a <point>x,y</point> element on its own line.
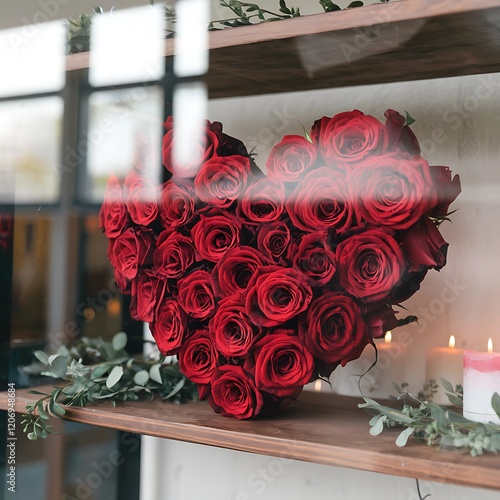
<point>317,428</point>
<point>389,42</point>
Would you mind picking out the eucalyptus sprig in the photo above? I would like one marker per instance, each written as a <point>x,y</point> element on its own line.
<point>95,370</point>
<point>434,424</point>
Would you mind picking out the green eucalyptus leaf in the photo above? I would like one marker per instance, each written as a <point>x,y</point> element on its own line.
<point>454,400</point>
<point>114,376</point>
<point>155,374</point>
<point>447,385</point>
<point>439,415</point>
<point>402,439</point>
<point>495,403</point>
<point>356,3</point>
<point>99,371</point>
<point>377,428</point>
<point>141,378</point>
<point>58,365</point>
<point>42,357</point>
<point>119,341</point>
<point>409,120</point>
<point>176,389</point>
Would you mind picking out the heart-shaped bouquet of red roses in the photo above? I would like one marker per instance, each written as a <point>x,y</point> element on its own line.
<point>259,282</point>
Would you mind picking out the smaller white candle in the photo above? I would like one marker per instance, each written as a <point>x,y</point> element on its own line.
<point>481,381</point>
<point>318,386</point>
<point>447,363</point>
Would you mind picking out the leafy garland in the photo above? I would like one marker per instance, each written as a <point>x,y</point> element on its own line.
<point>95,370</point>
<point>434,424</point>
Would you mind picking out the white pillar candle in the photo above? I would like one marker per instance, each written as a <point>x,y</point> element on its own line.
<point>481,381</point>
<point>447,363</point>
<point>378,382</point>
<point>319,386</point>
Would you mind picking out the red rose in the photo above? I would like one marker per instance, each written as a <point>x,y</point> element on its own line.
<point>231,328</point>
<point>234,271</point>
<point>234,393</point>
<point>380,319</point>
<point>314,258</point>
<point>399,137</point>
<point>124,284</point>
<point>169,326</point>
<point>348,137</point>
<point>227,145</point>
<point>277,294</point>
<point>282,364</point>
<point>263,201</point>
<point>424,246</point>
<point>273,240</point>
<point>447,190</point>
<point>196,295</point>
<point>370,264</point>
<point>290,159</point>
<point>334,330</point>
<point>173,255</point>
<point>147,291</point>
<point>113,216</point>
<point>198,358</point>
<point>321,201</point>
<point>222,179</point>
<point>215,234</point>
<point>393,191</point>
<point>131,250</point>
<point>142,199</point>
<point>176,204</point>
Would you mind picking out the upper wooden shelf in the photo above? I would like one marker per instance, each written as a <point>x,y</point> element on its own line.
<point>396,41</point>
<point>317,428</point>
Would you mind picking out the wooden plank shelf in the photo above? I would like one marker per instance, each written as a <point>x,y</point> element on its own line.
<point>317,428</point>
<point>390,42</point>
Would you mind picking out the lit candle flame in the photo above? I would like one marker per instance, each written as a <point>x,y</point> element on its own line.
<point>317,385</point>
<point>490,346</point>
<point>452,342</point>
<point>388,337</point>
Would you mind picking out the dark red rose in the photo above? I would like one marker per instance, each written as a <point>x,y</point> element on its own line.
<point>231,328</point>
<point>282,364</point>
<point>221,180</point>
<point>198,358</point>
<point>234,393</point>
<point>277,294</point>
<point>169,326</point>
<point>196,295</point>
<point>400,137</point>
<point>113,216</point>
<point>124,284</point>
<point>228,145</point>
<point>234,271</point>
<point>215,234</point>
<point>334,330</point>
<point>147,291</point>
<point>204,146</point>
<point>392,191</point>
<point>273,240</point>
<point>142,199</point>
<point>176,204</point>
<point>370,264</point>
<point>263,201</point>
<point>131,250</point>
<point>173,255</point>
<point>290,159</point>
<point>424,246</point>
<point>321,201</point>
<point>348,137</point>
<point>447,190</point>
<point>379,320</point>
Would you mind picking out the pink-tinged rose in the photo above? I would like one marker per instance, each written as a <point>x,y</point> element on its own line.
<point>113,216</point>
<point>215,234</point>
<point>147,291</point>
<point>392,191</point>
<point>142,199</point>
<point>423,246</point>
<point>235,270</point>
<point>263,201</point>
<point>196,295</point>
<point>380,319</point>
<point>234,393</point>
<point>276,295</point>
<point>348,137</point>
<point>400,137</point>
<point>333,329</point>
<point>314,258</point>
<point>131,250</point>
<point>169,326</point>
<point>273,240</point>
<point>198,358</point>
<point>447,190</point>
<point>176,204</point>
<point>322,201</point>
<point>221,180</point>
<point>370,264</point>
<point>282,364</point>
<point>174,254</point>
<point>290,159</point>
